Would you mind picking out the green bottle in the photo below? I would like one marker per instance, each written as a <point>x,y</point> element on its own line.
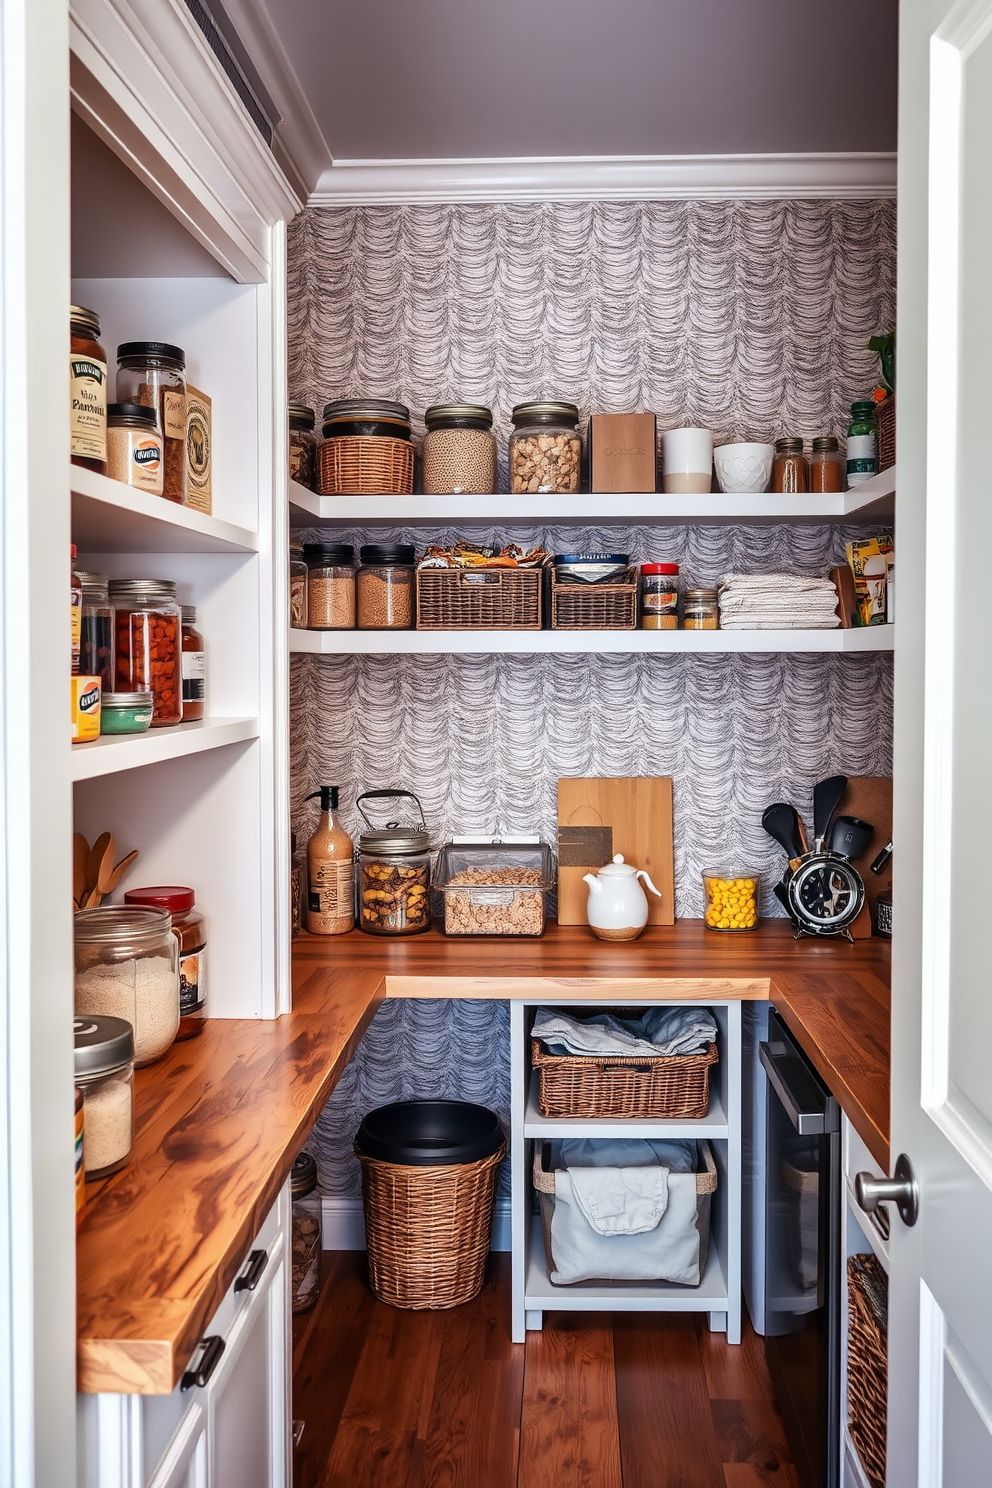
<point>862,456</point>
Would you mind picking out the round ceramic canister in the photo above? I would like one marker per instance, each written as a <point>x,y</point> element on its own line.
<point>687,461</point>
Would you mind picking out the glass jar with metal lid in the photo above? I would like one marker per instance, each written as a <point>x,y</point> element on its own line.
<point>394,872</point>
<point>104,1074</point>
<point>147,642</point>
<point>386,583</point>
<point>366,449</point>
<point>96,656</point>
<point>545,448</point>
<point>87,391</point>
<point>700,610</point>
<point>125,712</point>
<point>790,472</point>
<point>306,1233</point>
<point>127,966</point>
<point>826,465</point>
<point>302,446</point>
<point>459,450</point>
<point>297,586</point>
<point>154,373</point>
<point>330,585</point>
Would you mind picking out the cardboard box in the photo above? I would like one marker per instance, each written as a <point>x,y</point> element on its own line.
<point>198,452</point>
<point>86,698</point>
<point>622,452</point>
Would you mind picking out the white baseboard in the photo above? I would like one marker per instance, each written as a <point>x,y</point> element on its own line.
<point>344,1227</point>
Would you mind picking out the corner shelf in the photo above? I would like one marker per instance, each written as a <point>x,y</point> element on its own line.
<point>712,1127</point>
<point>617,642</point>
<point>111,517</point>
<point>114,752</point>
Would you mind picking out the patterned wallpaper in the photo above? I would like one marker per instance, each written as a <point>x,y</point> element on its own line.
<point>747,317</point>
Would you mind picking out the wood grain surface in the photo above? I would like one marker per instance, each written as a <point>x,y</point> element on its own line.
<point>638,811</point>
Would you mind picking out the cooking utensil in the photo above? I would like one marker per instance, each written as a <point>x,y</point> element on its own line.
<point>822,892</point>
<point>120,871</point>
<point>882,861</point>
<point>781,822</point>
<point>827,796</point>
<point>850,836</point>
<point>95,859</point>
<point>107,865</point>
<point>80,855</point>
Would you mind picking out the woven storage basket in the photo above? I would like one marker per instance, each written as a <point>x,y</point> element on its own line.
<point>867,1361</point>
<point>676,1085</point>
<point>544,1184</point>
<point>428,1230</point>
<point>594,606</point>
<point>885,432</point>
<point>478,599</point>
<point>365,465</point>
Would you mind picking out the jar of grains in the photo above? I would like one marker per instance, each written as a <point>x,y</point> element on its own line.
<point>297,586</point>
<point>394,872</point>
<point>127,966</point>
<point>97,631</point>
<point>104,1072</point>
<point>188,924</point>
<point>700,610</point>
<point>147,653</point>
<point>545,448</point>
<point>193,666</point>
<point>87,391</point>
<point>154,373</point>
<point>660,596</point>
<point>306,1233</point>
<point>330,585</point>
<point>790,472</point>
<point>386,587</point>
<point>459,450</point>
<point>134,447</point>
<point>826,466</point>
<point>302,446</point>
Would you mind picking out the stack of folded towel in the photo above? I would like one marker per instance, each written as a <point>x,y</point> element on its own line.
<point>777,602</point>
<point>661,1030</point>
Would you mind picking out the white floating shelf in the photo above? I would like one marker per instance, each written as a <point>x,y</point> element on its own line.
<point>713,1125</point>
<point>113,752</point>
<point>542,1296</point>
<point>110,517</point>
<point>615,642</point>
<point>871,501</point>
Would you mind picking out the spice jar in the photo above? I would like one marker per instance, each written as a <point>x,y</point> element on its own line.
<point>125,712</point>
<point>87,391</point>
<point>459,450</point>
<point>330,585</point>
<point>302,446</point>
<point>862,454</point>
<point>394,872</point>
<point>188,925</point>
<point>386,587</point>
<point>545,448</point>
<point>97,631</point>
<point>193,666</point>
<point>660,596</point>
<point>826,467</point>
<point>134,447</point>
<point>104,1073</point>
<point>297,587</point>
<point>147,644</point>
<point>700,610</point>
<point>306,1233</point>
<point>127,966</point>
<point>790,472</point>
<point>154,373</point>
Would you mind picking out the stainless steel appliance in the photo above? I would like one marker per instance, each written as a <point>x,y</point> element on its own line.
<point>802,1254</point>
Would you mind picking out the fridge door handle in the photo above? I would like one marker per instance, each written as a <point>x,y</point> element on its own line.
<point>811,1118</point>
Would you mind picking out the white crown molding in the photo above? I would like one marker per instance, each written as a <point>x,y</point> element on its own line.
<point>606,178</point>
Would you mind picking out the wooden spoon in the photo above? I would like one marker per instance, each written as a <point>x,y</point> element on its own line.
<point>107,867</point>
<point>101,849</point>
<point>118,873</point>
<point>80,854</point>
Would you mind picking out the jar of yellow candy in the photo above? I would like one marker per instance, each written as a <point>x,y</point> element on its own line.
<point>731,900</point>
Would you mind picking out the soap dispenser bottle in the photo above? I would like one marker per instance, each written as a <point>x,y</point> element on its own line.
<point>330,870</point>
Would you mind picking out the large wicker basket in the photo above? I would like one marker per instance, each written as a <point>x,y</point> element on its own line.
<point>885,432</point>
<point>610,606</point>
<point>664,1086</point>
<point>428,1230</point>
<point>365,465</point>
<point>867,1361</point>
<point>478,599</point>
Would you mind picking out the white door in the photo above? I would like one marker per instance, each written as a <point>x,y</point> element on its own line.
<point>940,1320</point>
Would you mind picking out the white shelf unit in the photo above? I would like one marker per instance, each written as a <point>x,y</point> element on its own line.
<point>112,753</point>
<point>719,1292</point>
<point>614,642</point>
<point>110,517</point>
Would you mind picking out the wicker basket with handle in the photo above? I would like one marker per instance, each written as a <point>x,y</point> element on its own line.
<point>365,465</point>
<point>660,1086</point>
<point>611,606</point>
<point>478,599</point>
<point>867,1362</point>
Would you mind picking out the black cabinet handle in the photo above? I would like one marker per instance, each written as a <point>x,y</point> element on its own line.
<point>211,1350</point>
<point>252,1274</point>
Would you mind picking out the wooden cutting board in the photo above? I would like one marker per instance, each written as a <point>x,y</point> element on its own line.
<point>870,798</point>
<point>602,816</point>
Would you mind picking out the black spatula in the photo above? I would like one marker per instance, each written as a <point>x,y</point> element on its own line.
<point>827,796</point>
<point>781,823</point>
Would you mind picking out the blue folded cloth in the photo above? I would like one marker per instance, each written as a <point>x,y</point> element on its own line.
<point>659,1030</point>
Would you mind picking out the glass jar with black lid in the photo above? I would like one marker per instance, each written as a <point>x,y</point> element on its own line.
<point>330,585</point>
<point>302,446</point>
<point>386,587</point>
<point>545,448</point>
<point>154,373</point>
<point>459,450</point>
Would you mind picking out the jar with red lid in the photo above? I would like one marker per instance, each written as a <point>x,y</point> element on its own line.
<point>659,596</point>
<point>147,644</point>
<point>188,925</point>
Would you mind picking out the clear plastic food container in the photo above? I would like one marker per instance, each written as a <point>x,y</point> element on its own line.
<point>495,888</point>
<point>731,899</point>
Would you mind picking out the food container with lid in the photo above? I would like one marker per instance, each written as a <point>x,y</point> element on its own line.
<point>386,597</point>
<point>306,1233</point>
<point>545,448</point>
<point>297,586</point>
<point>687,461</point>
<point>659,596</point>
<point>127,966</point>
<point>154,373</point>
<point>731,899</point>
<point>459,450</point>
<point>826,465</point>
<point>87,391</point>
<point>104,1072</point>
<point>495,887</point>
<point>188,926</point>
<point>302,446</point>
<point>96,635</point>
<point>147,644</point>
<point>330,585</point>
<point>700,610</point>
<point>790,472</point>
<point>590,568</point>
<point>126,712</point>
<point>366,448</point>
<point>394,871</point>
<point>135,451</point>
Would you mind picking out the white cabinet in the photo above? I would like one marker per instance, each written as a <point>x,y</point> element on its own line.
<point>185,1463</point>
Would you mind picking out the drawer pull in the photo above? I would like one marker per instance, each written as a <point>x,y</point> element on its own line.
<point>252,1274</point>
<point>211,1350</point>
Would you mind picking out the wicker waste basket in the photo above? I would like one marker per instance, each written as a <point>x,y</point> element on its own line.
<point>429,1173</point>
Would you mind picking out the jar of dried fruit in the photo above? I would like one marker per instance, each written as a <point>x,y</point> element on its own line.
<point>154,373</point>
<point>459,450</point>
<point>147,624</point>
<point>545,448</point>
<point>394,872</point>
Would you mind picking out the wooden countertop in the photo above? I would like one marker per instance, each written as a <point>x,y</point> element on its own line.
<point>220,1119</point>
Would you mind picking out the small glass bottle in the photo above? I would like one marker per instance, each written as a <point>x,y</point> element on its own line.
<point>330,585</point>
<point>386,587</point>
<point>826,467</point>
<point>790,472</point>
<point>188,926</point>
<point>97,633</point>
<point>700,610</point>
<point>545,448</point>
<point>134,447</point>
<point>154,373</point>
<point>147,641</point>
<point>297,586</point>
<point>330,870</point>
<point>302,446</point>
<point>104,1076</point>
<point>306,1233</point>
<point>194,669</point>
<point>660,596</point>
<point>459,450</point>
<point>862,456</point>
<point>87,391</point>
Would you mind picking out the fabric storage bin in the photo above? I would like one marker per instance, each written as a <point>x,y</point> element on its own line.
<point>494,888</point>
<point>674,1250</point>
<point>867,1362</point>
<point>478,599</point>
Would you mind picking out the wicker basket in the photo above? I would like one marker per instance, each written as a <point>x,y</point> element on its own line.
<point>885,432</point>
<point>594,606</point>
<point>663,1086</point>
<point>478,599</point>
<point>365,465</point>
<point>867,1361</point>
<point>428,1230</point>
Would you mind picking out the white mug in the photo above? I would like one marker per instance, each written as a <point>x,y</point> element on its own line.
<point>687,461</point>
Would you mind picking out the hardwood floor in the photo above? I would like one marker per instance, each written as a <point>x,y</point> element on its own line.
<point>394,1399</point>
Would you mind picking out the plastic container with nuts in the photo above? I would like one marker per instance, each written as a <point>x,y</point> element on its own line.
<point>459,450</point>
<point>731,899</point>
<point>545,448</point>
<point>495,888</point>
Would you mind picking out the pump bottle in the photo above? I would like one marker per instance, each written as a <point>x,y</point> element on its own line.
<point>330,870</point>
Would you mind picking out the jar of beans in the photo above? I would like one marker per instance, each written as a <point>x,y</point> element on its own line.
<point>386,587</point>
<point>302,446</point>
<point>330,585</point>
<point>147,647</point>
<point>545,448</point>
<point>394,871</point>
<point>459,450</point>
<point>154,373</point>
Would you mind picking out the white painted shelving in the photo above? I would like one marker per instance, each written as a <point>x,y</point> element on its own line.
<point>713,1126</point>
<point>616,642</point>
<point>110,517</point>
<point>112,753</point>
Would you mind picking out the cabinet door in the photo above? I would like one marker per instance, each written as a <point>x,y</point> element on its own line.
<point>249,1396</point>
<point>185,1463</point>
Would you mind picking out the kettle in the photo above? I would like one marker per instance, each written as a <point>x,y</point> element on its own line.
<point>618,907</point>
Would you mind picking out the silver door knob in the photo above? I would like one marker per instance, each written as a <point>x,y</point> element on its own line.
<point>901,1189</point>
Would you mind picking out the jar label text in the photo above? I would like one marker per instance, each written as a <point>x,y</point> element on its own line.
<point>88,407</point>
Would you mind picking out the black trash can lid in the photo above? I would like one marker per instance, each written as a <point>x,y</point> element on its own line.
<point>430,1134</point>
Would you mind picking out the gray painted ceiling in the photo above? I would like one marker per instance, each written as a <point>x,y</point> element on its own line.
<point>458,79</point>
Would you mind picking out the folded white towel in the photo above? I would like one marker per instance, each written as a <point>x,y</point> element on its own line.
<point>661,1030</point>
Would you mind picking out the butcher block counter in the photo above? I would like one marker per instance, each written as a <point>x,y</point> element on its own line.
<point>220,1119</point>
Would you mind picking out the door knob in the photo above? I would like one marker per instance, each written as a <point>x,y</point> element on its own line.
<point>901,1189</point>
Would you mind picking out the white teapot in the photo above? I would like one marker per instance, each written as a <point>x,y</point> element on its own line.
<point>618,907</point>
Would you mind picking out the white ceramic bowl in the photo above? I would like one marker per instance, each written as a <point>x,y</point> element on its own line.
<point>743,467</point>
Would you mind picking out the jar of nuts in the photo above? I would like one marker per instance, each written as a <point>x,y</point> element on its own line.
<point>386,582</point>
<point>394,872</point>
<point>545,448</point>
<point>459,450</point>
<point>302,446</point>
<point>330,585</point>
